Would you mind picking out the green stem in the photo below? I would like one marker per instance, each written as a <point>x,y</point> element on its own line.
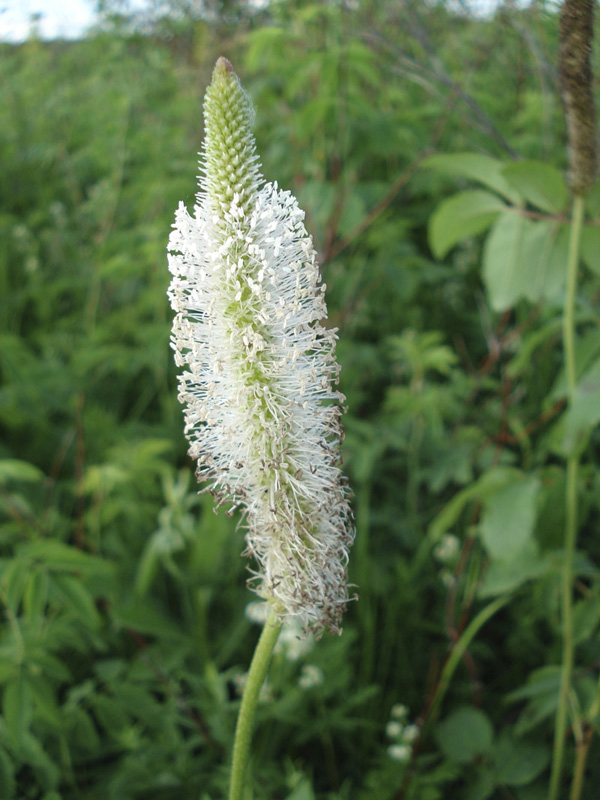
<point>243,729</point>
<point>560,728</point>
<point>459,650</point>
<point>581,755</point>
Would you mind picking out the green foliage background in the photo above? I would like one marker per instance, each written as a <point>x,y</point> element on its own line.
<point>123,596</point>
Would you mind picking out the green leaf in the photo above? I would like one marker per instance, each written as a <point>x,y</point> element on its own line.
<point>505,278</point>
<point>541,690</point>
<point>17,709</point>
<point>483,787</point>
<point>590,247</point>
<point>502,577</point>
<point>110,714</point>
<point>33,753</point>
<point>477,167</point>
<point>518,762</point>
<point>541,184</point>
<point>77,599</point>
<point>530,342</point>
<point>8,786</point>
<point>11,469</point>
<point>302,791</point>
<point>584,412</point>
<point>83,730</point>
<point>50,665</point>
<point>14,579</point>
<point>462,215</point>
<point>586,614</point>
<point>465,734</point>
<point>45,701</point>
<point>489,482</point>
<point>146,619</point>
<point>138,702</point>
<point>61,557</point>
<point>35,596</point>
<point>544,253</point>
<point>592,201</point>
<point>509,516</point>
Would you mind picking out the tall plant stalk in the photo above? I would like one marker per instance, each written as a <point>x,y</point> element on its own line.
<point>258,385</point>
<point>243,730</point>
<point>571,505</point>
<point>575,75</point>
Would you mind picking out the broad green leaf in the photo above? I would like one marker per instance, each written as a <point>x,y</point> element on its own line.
<point>17,709</point>
<point>35,596</point>
<point>77,599</point>
<point>504,275</point>
<point>518,762</point>
<point>33,753</point>
<point>541,690</point>
<point>8,786</point>
<point>483,787</point>
<point>11,469</point>
<point>531,341</point>
<point>538,710</point>
<point>13,581</point>
<point>146,619</point>
<point>465,734</point>
<point>139,702</point>
<point>477,167</point>
<point>302,791</point>
<point>586,614</point>
<point>590,247</point>
<point>83,730</point>
<point>147,568</point>
<point>50,665</point>
<point>508,517</point>
<point>462,215</point>
<point>587,350</point>
<point>541,184</point>
<point>544,255</point>
<point>584,413</point>
<point>592,201</point>
<point>61,557</point>
<point>110,714</point>
<point>45,701</point>
<point>502,577</point>
<point>110,670</point>
<point>9,665</point>
<point>489,482</point>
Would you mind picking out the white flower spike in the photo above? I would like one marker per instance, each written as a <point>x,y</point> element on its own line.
<point>261,411</point>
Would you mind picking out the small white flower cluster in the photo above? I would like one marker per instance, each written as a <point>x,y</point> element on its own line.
<point>447,549</point>
<point>403,736</point>
<point>310,677</point>
<point>446,552</point>
<point>261,411</point>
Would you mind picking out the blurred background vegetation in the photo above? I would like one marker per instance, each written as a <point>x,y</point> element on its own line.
<point>125,637</point>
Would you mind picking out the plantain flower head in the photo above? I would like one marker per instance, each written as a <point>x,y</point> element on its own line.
<point>262,413</point>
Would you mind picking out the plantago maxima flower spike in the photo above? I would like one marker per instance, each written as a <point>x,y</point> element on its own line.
<point>261,410</point>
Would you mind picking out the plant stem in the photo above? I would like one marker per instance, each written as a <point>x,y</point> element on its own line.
<point>581,754</point>
<point>459,650</point>
<point>560,728</point>
<point>243,729</point>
